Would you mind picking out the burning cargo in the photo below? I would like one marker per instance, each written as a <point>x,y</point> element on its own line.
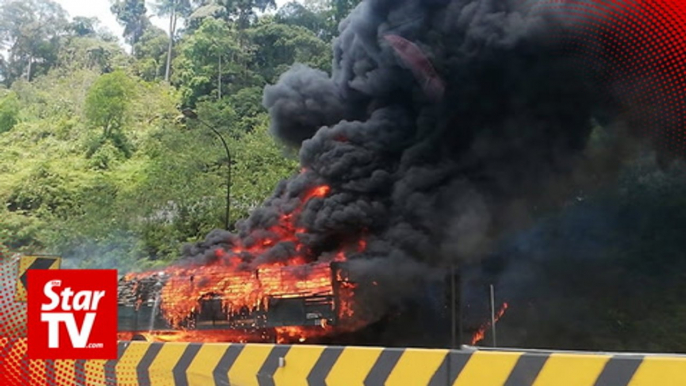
<point>318,302</point>
<point>328,303</point>
<point>312,299</point>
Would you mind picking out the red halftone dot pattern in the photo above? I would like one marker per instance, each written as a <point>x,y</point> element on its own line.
<point>638,49</point>
<point>92,373</point>
<point>36,372</point>
<point>18,370</point>
<point>63,372</point>
<point>13,321</point>
<point>137,358</point>
<point>15,369</point>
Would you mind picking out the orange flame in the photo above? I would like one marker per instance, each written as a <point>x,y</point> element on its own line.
<point>481,333</point>
<point>300,334</point>
<point>242,287</point>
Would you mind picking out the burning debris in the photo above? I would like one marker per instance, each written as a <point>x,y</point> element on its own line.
<point>480,334</point>
<point>138,292</point>
<point>401,175</point>
<point>300,300</point>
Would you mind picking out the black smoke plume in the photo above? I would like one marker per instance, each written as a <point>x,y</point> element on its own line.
<point>428,183</point>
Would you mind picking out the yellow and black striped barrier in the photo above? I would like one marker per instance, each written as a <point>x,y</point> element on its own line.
<point>27,263</point>
<point>184,364</point>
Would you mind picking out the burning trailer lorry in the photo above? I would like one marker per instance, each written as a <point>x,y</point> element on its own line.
<point>272,304</point>
<point>226,289</point>
<point>318,302</point>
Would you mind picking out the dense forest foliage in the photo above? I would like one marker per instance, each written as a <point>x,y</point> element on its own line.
<point>97,162</point>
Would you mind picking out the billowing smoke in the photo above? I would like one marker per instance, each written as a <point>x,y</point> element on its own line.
<point>425,181</point>
<point>430,181</point>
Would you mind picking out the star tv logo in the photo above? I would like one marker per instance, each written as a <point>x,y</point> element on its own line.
<point>72,314</point>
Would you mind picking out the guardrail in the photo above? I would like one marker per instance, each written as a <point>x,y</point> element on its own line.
<point>184,364</point>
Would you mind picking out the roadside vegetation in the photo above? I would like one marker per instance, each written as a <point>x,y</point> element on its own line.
<point>96,164</point>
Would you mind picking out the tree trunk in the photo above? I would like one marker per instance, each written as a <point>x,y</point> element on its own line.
<point>172,31</point>
<point>219,78</point>
<point>30,69</point>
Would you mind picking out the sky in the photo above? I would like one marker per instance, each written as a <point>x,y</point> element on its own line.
<point>101,10</point>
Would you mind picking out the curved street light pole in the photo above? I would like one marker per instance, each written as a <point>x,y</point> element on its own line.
<point>188,113</point>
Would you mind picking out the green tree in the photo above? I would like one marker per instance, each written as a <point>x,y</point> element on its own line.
<point>209,58</point>
<point>4,251</point>
<point>218,59</point>
<point>132,15</point>
<point>314,16</point>
<point>259,166</point>
<point>279,46</point>
<point>84,26</point>
<point>9,112</point>
<point>174,9</point>
<point>151,51</point>
<point>90,52</point>
<point>342,8</point>
<point>106,107</point>
<point>242,12</point>
<point>30,31</point>
<point>4,71</point>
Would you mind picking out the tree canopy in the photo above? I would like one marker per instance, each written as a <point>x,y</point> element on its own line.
<point>96,164</point>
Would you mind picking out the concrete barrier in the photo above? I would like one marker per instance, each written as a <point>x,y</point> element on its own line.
<point>180,364</point>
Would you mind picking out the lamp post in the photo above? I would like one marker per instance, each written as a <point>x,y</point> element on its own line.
<point>190,114</point>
